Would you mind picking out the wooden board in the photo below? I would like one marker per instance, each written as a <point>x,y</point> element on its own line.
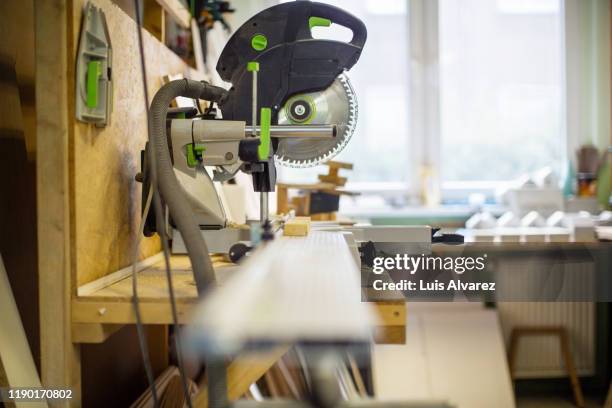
<point>242,372</point>
<point>106,197</point>
<point>59,358</point>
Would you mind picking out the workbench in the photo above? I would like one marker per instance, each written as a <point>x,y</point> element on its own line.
<point>101,307</point>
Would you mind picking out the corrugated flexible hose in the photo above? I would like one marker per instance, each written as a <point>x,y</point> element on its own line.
<point>181,211</point>
<point>167,183</point>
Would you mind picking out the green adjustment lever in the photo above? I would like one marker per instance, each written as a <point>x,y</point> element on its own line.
<point>94,70</point>
<point>194,154</point>
<point>263,151</point>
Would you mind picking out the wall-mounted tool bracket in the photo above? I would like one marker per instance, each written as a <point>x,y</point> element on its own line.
<point>94,87</point>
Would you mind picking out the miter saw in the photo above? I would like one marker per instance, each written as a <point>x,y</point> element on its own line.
<point>290,102</point>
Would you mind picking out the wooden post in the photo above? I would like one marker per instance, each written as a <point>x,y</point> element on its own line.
<point>561,334</point>
<point>154,19</point>
<point>282,200</point>
<point>59,357</point>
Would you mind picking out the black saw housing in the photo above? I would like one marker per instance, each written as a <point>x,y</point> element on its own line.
<point>291,62</point>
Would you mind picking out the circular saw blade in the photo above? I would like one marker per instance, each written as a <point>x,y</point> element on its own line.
<point>335,105</point>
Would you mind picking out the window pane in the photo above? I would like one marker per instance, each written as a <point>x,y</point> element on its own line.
<point>500,88</point>
<point>380,146</point>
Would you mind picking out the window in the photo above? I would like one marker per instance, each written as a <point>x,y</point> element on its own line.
<point>501,91</point>
<point>381,143</point>
<point>472,93</point>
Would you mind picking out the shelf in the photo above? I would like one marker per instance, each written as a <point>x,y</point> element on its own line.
<point>104,305</point>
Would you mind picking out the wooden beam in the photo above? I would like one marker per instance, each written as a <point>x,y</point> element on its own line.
<point>241,373</point>
<point>154,20</point>
<point>93,332</point>
<point>177,11</point>
<point>320,302</point>
<point>121,274</point>
<point>159,347</point>
<point>390,334</point>
<point>59,358</point>
<point>105,312</point>
<point>391,313</point>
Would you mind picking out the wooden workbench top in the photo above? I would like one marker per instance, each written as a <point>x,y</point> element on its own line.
<point>152,281</point>
<point>108,301</point>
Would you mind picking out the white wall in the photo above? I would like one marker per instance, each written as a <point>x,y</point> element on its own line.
<point>587,38</point>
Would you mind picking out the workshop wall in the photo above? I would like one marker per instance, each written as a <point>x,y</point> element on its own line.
<point>106,196</point>
<point>106,199</point>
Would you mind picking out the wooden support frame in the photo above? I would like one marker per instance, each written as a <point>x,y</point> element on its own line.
<point>60,365</point>
<point>562,334</point>
<point>243,372</point>
<point>80,237</point>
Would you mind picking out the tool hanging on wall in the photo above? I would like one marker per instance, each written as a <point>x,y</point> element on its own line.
<point>208,12</point>
<point>94,86</point>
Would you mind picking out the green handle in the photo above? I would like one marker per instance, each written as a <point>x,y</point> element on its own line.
<point>318,22</point>
<point>263,151</point>
<point>94,70</point>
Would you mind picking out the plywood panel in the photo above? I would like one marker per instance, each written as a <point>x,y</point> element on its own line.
<point>106,196</point>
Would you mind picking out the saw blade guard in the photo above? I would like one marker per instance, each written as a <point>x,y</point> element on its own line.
<point>336,105</point>
<point>291,60</point>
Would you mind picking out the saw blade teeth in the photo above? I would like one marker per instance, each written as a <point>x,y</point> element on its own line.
<point>335,105</point>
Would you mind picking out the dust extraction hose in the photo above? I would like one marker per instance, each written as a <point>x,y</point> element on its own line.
<point>169,187</point>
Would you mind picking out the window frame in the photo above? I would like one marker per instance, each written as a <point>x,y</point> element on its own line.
<point>585,92</point>
<point>426,58</point>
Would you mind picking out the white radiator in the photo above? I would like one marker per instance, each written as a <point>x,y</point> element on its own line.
<point>540,356</point>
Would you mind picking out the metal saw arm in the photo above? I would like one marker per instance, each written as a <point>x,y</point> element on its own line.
<point>226,145</point>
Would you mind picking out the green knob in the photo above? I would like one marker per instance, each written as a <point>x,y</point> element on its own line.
<point>259,42</point>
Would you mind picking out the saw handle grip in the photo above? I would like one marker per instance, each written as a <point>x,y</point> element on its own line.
<point>343,18</point>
